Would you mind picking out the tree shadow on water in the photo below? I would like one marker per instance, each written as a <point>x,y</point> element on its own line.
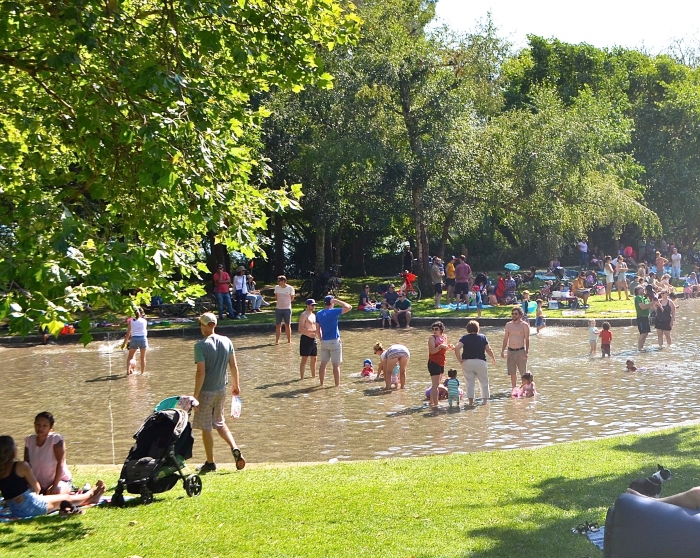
<point>275,384</point>
<point>110,378</point>
<point>294,393</point>
<point>47,530</point>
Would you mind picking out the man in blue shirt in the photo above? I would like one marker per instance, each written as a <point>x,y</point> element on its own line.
<point>331,349</point>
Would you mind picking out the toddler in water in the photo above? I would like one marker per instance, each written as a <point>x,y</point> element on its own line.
<point>395,374</point>
<point>592,336</point>
<point>540,322</point>
<point>132,366</point>
<point>527,388</point>
<point>605,339</point>
<point>630,366</point>
<point>452,387</point>
<point>385,315</point>
<point>367,368</point>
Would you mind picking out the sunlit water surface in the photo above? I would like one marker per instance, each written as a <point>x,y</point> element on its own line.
<point>98,408</point>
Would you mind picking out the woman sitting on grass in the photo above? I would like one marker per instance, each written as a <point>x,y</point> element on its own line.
<point>20,488</point>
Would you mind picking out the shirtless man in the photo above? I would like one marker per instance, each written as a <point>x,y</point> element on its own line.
<point>517,341</point>
<point>308,348</point>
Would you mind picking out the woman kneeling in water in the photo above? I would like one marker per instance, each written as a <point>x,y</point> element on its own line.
<point>21,490</point>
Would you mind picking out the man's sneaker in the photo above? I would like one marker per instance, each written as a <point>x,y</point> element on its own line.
<point>244,317</point>
<point>208,468</point>
<point>240,462</point>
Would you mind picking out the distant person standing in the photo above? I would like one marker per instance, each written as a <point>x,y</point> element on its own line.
<point>675,264</point>
<point>517,341</point>
<point>463,273</point>
<point>583,253</point>
<point>436,275</point>
<point>137,338</point>
<point>407,258</point>
<point>240,289</point>
<point>331,349</point>
<point>641,306</point>
<point>222,282</point>
<point>308,348</point>
<point>284,294</point>
<point>450,278</point>
<point>213,355</point>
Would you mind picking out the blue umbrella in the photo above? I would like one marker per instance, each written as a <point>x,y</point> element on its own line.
<point>512,266</point>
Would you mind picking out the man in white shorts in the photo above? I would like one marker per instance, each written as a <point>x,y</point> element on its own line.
<point>331,349</point>
<point>212,355</point>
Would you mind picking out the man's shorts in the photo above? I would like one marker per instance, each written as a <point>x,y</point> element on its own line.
<point>438,288</point>
<point>643,324</point>
<point>332,350</point>
<point>517,361</point>
<point>461,288</point>
<point>210,413</point>
<point>284,315</point>
<point>449,282</point>
<point>308,346</point>
<point>138,342</point>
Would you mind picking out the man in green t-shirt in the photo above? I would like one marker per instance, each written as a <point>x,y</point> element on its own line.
<point>402,307</point>
<point>213,355</point>
<point>641,305</point>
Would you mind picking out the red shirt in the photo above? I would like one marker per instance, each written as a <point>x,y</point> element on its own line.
<point>605,337</point>
<point>221,287</point>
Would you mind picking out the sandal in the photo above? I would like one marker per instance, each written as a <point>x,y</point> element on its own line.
<point>69,509</point>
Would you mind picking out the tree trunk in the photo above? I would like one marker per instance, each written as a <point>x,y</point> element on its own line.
<point>279,245</point>
<point>320,263</point>
<point>445,234</point>
<point>358,256</point>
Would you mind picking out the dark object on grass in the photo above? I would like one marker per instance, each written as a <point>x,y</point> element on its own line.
<point>156,460</point>
<point>529,276</point>
<point>638,527</point>
<point>651,486</point>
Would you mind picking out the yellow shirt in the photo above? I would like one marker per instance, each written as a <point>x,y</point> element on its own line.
<point>450,271</point>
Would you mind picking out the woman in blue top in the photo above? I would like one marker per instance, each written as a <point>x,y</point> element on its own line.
<point>474,346</point>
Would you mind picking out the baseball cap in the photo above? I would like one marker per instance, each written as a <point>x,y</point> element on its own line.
<point>310,301</point>
<point>207,318</point>
<point>328,299</point>
<point>368,361</point>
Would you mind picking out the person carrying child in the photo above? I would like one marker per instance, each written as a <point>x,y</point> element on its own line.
<point>593,333</point>
<point>452,387</point>
<point>367,368</point>
<point>605,339</point>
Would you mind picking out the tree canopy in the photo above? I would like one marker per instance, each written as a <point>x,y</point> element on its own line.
<point>129,130</point>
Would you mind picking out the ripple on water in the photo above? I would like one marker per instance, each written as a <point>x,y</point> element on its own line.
<point>287,419</point>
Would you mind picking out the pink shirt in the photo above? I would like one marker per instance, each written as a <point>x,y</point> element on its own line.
<point>221,287</point>
<point>462,273</point>
<point>43,459</point>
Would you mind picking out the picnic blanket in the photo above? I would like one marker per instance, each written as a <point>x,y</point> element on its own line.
<point>6,516</point>
<point>453,306</point>
<point>597,537</point>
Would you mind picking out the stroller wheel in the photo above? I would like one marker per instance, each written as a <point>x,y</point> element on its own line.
<point>118,499</point>
<point>146,495</point>
<point>193,485</point>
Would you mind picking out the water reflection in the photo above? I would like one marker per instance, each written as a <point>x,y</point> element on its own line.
<point>287,419</point>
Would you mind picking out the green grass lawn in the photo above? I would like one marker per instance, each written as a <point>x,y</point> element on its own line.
<point>514,504</point>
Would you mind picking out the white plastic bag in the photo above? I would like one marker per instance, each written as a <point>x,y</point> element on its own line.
<point>236,405</point>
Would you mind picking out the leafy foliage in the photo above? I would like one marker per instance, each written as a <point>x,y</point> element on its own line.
<point>127,132</point>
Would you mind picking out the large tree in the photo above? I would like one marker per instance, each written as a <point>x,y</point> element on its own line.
<point>128,133</point>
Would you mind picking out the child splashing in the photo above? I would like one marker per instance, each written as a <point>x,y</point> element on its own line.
<point>527,388</point>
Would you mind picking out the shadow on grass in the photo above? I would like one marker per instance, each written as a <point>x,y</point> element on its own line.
<point>46,530</point>
<point>294,393</point>
<point>682,443</point>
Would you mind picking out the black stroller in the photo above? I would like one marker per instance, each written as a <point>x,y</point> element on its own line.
<point>156,460</point>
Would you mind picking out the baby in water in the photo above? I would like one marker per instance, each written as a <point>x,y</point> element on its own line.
<point>630,367</point>
<point>132,366</point>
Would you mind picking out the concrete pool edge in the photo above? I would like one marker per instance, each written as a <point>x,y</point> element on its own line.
<point>365,323</point>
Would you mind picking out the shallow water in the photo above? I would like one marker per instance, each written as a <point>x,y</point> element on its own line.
<point>98,408</point>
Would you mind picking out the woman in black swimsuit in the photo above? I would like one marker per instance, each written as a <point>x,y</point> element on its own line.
<point>665,316</point>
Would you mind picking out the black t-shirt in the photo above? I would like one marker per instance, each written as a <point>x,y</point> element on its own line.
<point>408,260</point>
<point>391,298</point>
<point>474,346</point>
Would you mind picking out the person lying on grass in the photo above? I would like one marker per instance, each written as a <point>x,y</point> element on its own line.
<point>20,488</point>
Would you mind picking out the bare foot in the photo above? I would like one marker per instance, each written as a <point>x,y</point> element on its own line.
<point>95,493</point>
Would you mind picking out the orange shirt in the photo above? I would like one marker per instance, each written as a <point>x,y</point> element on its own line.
<point>605,337</point>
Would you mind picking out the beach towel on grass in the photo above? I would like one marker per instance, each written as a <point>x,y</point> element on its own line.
<point>597,537</point>
<point>6,516</point>
<point>462,307</point>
